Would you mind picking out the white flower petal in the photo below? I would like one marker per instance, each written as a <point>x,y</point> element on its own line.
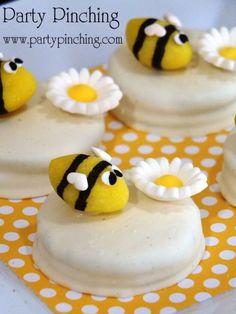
<point>95,77</point>
<point>84,75</point>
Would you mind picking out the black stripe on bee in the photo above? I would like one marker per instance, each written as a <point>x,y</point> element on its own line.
<point>2,108</point>
<point>81,201</point>
<point>141,36</point>
<point>160,47</point>
<point>74,165</point>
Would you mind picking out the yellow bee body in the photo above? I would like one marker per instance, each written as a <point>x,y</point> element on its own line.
<point>17,85</point>
<point>89,183</point>
<point>158,44</point>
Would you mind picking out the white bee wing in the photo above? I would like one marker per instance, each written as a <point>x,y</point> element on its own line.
<point>155,30</point>
<point>78,180</point>
<point>172,19</point>
<point>101,153</point>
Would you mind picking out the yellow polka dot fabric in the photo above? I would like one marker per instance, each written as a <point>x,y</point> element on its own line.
<point>216,272</point>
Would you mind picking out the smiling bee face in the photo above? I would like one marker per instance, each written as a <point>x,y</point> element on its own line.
<point>159,44</point>
<point>17,85</point>
<point>89,183</point>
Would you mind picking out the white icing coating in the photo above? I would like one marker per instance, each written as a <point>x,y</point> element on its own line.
<point>108,93</point>
<point>78,180</point>
<point>149,246</point>
<point>196,101</point>
<point>227,179</point>
<point>211,42</point>
<point>146,172</point>
<point>33,136</point>
<point>155,30</point>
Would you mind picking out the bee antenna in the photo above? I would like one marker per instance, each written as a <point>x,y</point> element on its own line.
<point>101,153</point>
<point>172,19</point>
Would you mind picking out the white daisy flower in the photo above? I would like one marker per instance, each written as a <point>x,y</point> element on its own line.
<point>168,181</point>
<point>83,93</point>
<point>218,47</point>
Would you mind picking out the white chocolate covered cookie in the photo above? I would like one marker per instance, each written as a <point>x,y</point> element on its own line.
<point>196,101</point>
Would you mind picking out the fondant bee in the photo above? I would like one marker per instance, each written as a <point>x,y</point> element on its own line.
<point>159,44</point>
<point>17,85</point>
<point>89,183</point>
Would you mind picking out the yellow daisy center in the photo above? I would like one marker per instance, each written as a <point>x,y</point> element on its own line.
<point>82,93</point>
<point>228,52</point>
<point>169,181</point>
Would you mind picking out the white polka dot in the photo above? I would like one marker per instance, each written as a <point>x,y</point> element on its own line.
<point>168,149</point>
<point>153,138</point>
<point>16,263</point>
<point>130,137</point>
<point>168,310</point>
<point>116,161</point>
<point>214,188</point>
<point>186,283</point>
<point>176,139</point>
<point>40,199</point>
<point>202,296</point>
<point>20,223</point>
<point>209,200</point>
<point>116,310</point>
<point>232,282</point>
<point>30,211</point>
<point>25,250</point>
<point>31,277</point>
<point>89,309</point>
<point>142,310</point>
<point>73,295</point>
<point>15,200</point>
<point>145,149</point>
<point>215,150</point>
<point>221,138</point>
<point>204,213</point>
<point>125,299</point>
<point>206,255</point>
<point>211,241</point>
<point>225,213</point>
<point>4,248</point>
<point>192,150</point>
<point>107,136</point>
<point>218,227</point>
<point>197,270</point>
<point>211,283</point>
<point>151,297</point>
<point>219,269</point>
<point>231,241</point>
<point>115,125</point>
<point>208,162</point>
<point>11,236</point>
<point>31,237</point>
<point>122,149</point>
<point>63,307</point>
<point>6,210</point>
<point>1,222</point>
<point>48,293</point>
<point>177,297</point>
<point>227,255</point>
<point>199,139</point>
<point>98,297</point>
<point>135,160</point>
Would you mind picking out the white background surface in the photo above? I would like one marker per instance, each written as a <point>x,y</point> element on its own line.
<point>15,298</point>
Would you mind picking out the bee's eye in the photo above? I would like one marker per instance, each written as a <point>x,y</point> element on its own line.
<point>117,171</point>
<point>10,67</point>
<point>109,178</point>
<point>180,39</point>
<point>18,61</point>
